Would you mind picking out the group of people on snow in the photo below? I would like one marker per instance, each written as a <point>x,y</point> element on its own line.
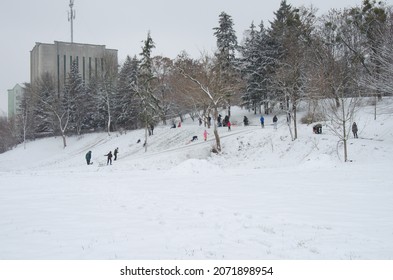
<point>226,122</point>
<point>108,155</point>
<point>262,121</point>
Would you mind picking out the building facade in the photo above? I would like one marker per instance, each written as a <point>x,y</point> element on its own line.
<point>14,99</point>
<point>56,59</point>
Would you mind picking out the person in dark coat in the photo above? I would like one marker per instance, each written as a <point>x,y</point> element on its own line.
<point>226,120</point>
<point>109,155</point>
<point>88,157</point>
<point>245,121</point>
<point>355,130</point>
<point>115,153</point>
<point>275,119</point>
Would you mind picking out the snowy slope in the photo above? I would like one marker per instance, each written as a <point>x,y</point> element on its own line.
<point>264,197</point>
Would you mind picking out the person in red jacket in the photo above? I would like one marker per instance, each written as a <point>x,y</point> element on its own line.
<point>229,125</point>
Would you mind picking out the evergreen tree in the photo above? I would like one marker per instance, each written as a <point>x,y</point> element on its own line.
<point>125,103</point>
<point>254,64</point>
<point>146,99</point>
<point>44,98</point>
<point>226,56</point>
<point>226,42</point>
<point>75,99</point>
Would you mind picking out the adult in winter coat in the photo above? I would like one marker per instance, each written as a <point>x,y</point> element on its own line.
<point>109,155</point>
<point>355,130</point>
<point>226,120</point>
<point>275,119</point>
<point>262,120</point>
<point>115,153</point>
<point>219,123</point>
<point>88,157</point>
<point>245,121</point>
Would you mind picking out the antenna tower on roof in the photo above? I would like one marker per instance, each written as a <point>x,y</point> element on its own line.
<point>71,17</point>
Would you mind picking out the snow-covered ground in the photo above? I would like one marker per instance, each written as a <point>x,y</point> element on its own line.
<point>264,197</point>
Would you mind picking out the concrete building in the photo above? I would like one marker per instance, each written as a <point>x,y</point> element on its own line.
<point>14,99</point>
<point>56,59</point>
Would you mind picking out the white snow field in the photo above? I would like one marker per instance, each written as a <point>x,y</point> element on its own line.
<point>264,197</point>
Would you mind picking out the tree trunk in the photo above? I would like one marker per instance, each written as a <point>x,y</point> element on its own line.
<point>64,139</point>
<point>217,137</point>
<point>345,133</point>
<point>294,121</point>
<point>108,107</point>
<point>145,144</point>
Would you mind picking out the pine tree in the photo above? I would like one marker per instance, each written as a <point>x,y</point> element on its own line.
<point>226,56</point>
<point>75,99</point>
<point>125,100</point>
<point>290,32</point>
<point>146,99</point>
<point>44,97</point>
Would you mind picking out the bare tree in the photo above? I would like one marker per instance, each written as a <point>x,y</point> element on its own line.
<point>340,119</point>
<point>336,74</point>
<point>214,91</point>
<point>108,87</point>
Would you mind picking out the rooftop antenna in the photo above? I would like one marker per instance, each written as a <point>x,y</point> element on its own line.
<point>71,17</point>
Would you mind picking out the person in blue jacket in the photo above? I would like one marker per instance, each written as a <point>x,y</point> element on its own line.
<point>262,119</point>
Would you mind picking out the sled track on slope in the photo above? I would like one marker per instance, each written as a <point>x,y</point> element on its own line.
<point>187,146</point>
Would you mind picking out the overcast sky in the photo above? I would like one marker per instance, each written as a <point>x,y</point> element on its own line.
<point>175,25</point>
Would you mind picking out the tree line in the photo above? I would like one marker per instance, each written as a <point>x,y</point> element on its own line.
<point>328,61</point>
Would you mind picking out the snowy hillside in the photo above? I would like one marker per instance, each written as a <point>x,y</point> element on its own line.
<point>264,197</point>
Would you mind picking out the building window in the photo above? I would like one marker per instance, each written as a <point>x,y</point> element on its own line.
<point>58,73</point>
<point>89,68</point>
<point>96,66</point>
<point>65,69</point>
<point>83,69</point>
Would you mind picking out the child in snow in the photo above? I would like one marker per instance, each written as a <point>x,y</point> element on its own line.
<point>229,125</point>
<point>262,119</point>
<point>109,155</point>
<point>205,135</point>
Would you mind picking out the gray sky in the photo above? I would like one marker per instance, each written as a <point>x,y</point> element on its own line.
<point>175,25</point>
